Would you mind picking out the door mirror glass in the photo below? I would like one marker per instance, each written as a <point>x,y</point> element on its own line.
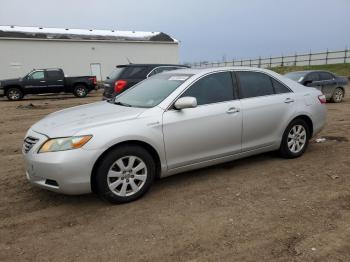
<point>186,102</point>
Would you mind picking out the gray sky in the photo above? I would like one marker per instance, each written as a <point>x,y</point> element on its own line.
<point>208,30</point>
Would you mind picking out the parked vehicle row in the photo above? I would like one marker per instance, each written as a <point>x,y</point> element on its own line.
<point>172,122</point>
<point>332,86</point>
<point>43,81</point>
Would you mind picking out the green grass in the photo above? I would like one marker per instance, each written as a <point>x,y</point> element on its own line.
<point>338,69</point>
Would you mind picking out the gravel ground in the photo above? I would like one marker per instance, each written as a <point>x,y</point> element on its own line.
<point>262,208</point>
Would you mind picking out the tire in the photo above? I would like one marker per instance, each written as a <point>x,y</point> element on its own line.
<point>295,139</point>
<point>14,94</point>
<point>338,95</point>
<point>120,181</point>
<point>80,91</point>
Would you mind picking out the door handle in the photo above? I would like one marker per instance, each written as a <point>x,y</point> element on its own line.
<point>288,100</point>
<point>42,81</point>
<point>232,110</point>
<point>59,80</point>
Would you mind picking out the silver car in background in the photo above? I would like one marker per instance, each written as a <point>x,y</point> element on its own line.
<point>170,123</point>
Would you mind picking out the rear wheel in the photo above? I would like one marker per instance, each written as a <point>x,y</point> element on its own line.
<point>295,139</point>
<point>125,174</point>
<point>14,94</point>
<point>338,95</point>
<point>80,91</point>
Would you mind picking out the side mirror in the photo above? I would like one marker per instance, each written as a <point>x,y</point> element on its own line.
<point>185,102</point>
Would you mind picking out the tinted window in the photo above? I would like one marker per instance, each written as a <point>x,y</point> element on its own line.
<point>296,76</point>
<point>312,77</point>
<point>325,76</point>
<point>279,87</point>
<point>37,75</point>
<point>54,74</point>
<point>255,84</point>
<point>152,91</point>
<point>212,89</point>
<point>136,72</point>
<point>115,73</point>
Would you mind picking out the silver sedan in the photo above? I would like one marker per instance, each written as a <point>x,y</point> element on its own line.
<point>170,123</point>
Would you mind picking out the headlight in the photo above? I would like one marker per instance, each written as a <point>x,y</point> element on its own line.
<point>64,143</point>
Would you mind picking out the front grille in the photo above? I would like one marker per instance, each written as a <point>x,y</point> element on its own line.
<point>29,142</point>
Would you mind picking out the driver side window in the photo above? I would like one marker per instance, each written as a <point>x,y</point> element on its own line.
<point>38,75</point>
<point>213,88</point>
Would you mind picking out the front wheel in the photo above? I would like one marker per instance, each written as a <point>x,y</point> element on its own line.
<point>125,174</point>
<point>14,94</point>
<point>295,139</point>
<point>338,95</point>
<point>80,91</point>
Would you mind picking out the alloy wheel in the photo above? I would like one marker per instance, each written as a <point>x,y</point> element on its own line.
<point>127,176</point>
<point>338,95</point>
<point>296,139</point>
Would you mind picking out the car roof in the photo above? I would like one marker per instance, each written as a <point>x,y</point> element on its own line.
<point>153,65</point>
<point>310,71</point>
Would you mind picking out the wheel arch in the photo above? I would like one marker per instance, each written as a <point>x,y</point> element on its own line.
<point>80,84</point>
<point>142,144</point>
<point>7,87</point>
<point>308,121</point>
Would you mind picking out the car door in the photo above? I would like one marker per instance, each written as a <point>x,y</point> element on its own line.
<point>267,105</point>
<point>54,80</point>
<point>313,80</point>
<point>328,83</point>
<point>210,130</point>
<point>35,82</point>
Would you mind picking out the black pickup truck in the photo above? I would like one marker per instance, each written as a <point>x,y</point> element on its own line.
<point>44,81</point>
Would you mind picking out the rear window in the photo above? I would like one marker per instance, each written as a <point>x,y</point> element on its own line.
<point>115,73</point>
<point>135,72</point>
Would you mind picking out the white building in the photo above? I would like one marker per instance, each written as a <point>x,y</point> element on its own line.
<point>80,52</point>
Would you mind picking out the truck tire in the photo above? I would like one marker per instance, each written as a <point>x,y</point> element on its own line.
<point>14,94</point>
<point>80,91</point>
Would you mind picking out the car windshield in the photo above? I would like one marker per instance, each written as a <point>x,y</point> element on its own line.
<point>115,73</point>
<point>151,91</point>
<point>296,76</point>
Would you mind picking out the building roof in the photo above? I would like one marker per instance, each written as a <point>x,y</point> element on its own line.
<point>26,32</point>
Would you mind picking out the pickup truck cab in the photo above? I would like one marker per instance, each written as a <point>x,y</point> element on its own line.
<point>44,81</point>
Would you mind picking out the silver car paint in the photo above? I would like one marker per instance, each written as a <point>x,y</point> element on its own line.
<point>184,140</point>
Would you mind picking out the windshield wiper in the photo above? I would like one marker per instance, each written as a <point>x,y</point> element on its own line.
<point>122,104</point>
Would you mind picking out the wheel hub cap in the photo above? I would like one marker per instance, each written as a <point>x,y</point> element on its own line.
<point>127,176</point>
<point>296,138</point>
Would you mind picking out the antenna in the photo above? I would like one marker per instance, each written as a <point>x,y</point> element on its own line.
<point>128,60</point>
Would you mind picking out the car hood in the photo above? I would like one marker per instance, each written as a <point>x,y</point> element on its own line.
<point>70,121</point>
<point>9,81</point>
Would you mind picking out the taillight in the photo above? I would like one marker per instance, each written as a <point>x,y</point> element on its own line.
<point>322,99</point>
<point>119,85</point>
<point>93,79</point>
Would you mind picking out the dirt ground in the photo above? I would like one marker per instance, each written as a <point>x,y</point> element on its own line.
<point>262,208</point>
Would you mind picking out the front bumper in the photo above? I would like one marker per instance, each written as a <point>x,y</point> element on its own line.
<point>66,172</point>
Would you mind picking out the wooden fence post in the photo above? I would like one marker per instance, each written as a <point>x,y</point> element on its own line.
<point>270,62</point>
<point>310,58</point>
<point>295,59</point>
<point>282,64</point>
<point>346,54</point>
<point>259,62</point>
<point>327,57</point>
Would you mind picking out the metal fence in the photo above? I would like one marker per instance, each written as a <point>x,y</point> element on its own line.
<point>322,58</point>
